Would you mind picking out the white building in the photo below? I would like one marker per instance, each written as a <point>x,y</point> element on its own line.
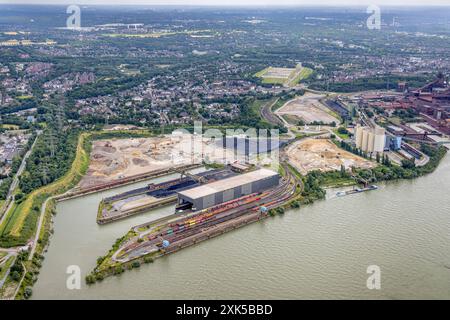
<point>371,140</point>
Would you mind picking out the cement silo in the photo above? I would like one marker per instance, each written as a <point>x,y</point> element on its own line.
<point>358,136</point>
<point>365,140</point>
<point>371,141</point>
<point>380,140</point>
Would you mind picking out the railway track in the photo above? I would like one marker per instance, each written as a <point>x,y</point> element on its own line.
<point>268,115</point>
<point>178,230</point>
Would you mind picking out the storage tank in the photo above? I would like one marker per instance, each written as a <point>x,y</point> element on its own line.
<point>165,243</point>
<point>371,141</point>
<point>365,140</point>
<point>380,139</point>
<point>358,136</point>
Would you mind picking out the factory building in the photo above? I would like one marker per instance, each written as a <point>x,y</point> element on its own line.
<point>227,189</point>
<point>393,143</point>
<point>371,140</point>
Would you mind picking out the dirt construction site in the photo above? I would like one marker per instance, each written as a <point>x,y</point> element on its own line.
<point>321,154</point>
<point>309,109</point>
<point>114,159</point>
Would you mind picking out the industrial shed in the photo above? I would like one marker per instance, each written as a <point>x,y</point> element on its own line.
<point>228,189</point>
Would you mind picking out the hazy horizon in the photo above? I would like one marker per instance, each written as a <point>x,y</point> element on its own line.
<point>259,3</point>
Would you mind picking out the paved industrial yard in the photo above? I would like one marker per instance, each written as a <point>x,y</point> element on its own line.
<point>134,202</point>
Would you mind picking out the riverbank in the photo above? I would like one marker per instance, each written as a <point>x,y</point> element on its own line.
<point>33,218</point>
<point>318,251</point>
<point>312,189</point>
<point>239,215</point>
<point>311,192</point>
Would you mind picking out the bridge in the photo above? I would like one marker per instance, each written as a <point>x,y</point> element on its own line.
<point>195,177</point>
<point>424,135</point>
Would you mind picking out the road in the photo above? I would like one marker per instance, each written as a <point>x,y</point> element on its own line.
<point>10,250</point>
<point>20,283</point>
<point>15,183</point>
<point>2,281</point>
<point>273,118</point>
<point>10,197</point>
<point>38,230</point>
<point>268,115</point>
<point>422,161</point>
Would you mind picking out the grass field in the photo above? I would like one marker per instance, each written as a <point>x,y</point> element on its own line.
<point>22,219</point>
<point>261,73</point>
<point>284,76</point>
<point>156,34</point>
<point>5,266</point>
<point>20,225</point>
<point>272,75</point>
<point>304,74</point>
<point>280,102</point>
<point>333,182</point>
<point>291,119</point>
<point>9,126</point>
<point>10,219</point>
<point>24,97</point>
<point>2,254</point>
<point>143,35</point>
<point>79,167</point>
<point>341,135</point>
<point>274,80</point>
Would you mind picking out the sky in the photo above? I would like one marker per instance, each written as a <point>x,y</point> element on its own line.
<point>237,2</point>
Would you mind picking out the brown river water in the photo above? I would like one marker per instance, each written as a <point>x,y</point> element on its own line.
<point>320,251</point>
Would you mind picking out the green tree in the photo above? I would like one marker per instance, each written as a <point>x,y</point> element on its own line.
<point>28,292</point>
<point>15,276</point>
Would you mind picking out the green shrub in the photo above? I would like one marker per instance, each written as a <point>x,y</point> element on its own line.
<point>295,204</point>
<point>90,279</point>
<point>118,269</point>
<point>148,260</point>
<point>27,293</point>
<point>15,276</point>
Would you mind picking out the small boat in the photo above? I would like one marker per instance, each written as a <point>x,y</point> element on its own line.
<point>356,190</point>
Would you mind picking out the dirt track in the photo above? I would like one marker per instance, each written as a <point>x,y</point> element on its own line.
<point>309,109</point>
<point>323,155</point>
<point>114,159</point>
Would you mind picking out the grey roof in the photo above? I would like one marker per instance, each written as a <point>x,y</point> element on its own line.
<point>226,184</point>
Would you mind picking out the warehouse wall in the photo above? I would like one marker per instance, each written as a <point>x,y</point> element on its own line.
<point>237,192</point>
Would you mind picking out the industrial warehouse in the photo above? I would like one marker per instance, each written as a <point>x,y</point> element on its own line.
<point>228,189</point>
<point>155,195</point>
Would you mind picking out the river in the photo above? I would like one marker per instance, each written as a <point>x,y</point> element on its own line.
<point>320,251</point>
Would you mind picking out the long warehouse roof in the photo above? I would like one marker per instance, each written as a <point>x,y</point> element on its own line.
<point>226,184</point>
